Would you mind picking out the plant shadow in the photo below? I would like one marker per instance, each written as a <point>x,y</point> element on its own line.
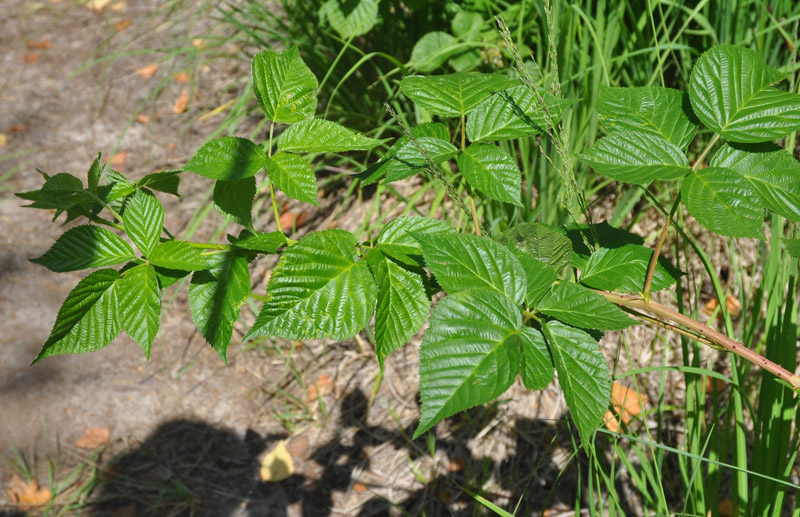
<point>192,468</point>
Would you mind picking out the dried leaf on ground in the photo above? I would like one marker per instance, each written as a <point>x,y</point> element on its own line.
<point>26,494</point>
<point>118,160</point>
<point>181,103</point>
<point>182,77</point>
<point>31,58</point>
<point>146,72</point>
<point>98,5</point>
<point>93,437</point>
<point>626,402</point>
<point>119,6</point>
<point>3,140</point>
<point>290,220</point>
<point>122,25</point>
<point>322,387</point>
<point>359,488</point>
<point>712,384</point>
<point>199,43</point>
<point>277,464</point>
<point>17,128</point>
<point>39,44</point>
<point>142,119</point>
<point>611,422</point>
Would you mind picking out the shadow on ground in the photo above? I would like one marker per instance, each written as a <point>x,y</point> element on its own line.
<point>192,468</point>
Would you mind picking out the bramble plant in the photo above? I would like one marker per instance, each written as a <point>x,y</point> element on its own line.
<point>527,302</point>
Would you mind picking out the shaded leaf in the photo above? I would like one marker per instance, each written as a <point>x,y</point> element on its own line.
<point>468,262</point>
<point>731,93</point>
<point>432,50</point>
<point>724,202</point>
<point>228,158</point>
<point>492,171</point>
<point>651,109</point>
<point>453,95</point>
<point>85,247</point>
<point>88,319</point>
<point>540,242</point>
<point>583,375</point>
<point>140,305</point>
<point>215,297</point>
<point>469,355</point>
<point>352,18</point>
<point>318,289</point>
<point>284,85</point>
<point>316,135</point>
<point>624,270</point>
<point>581,307</point>
<point>234,200</point>
<point>637,158</point>
<point>538,275</point>
<point>409,160</point>
<point>293,175</point>
<point>536,367</point>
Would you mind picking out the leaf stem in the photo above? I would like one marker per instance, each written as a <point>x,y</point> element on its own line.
<point>706,332</point>
<point>475,221</point>
<point>271,186</point>
<point>661,238</point>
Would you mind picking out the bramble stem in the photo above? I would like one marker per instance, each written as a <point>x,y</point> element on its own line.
<point>271,187</point>
<point>706,332</point>
<point>648,281</point>
<point>463,134</point>
<point>475,221</point>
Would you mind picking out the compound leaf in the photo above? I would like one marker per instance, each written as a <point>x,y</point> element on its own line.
<point>724,202</point>
<point>284,85</point>
<point>624,270</point>
<point>140,305</point>
<point>514,113</point>
<point>492,171</point>
<point>215,297</point>
<point>773,172</point>
<point>317,135</point>
<point>402,307</point>
<point>469,355</point>
<point>293,175</point>
<point>85,247</point>
<point>228,158</point>
<point>583,375</point>
<point>731,93</point>
<point>453,95</point>
<point>144,220</point>
<point>396,241</point>
<point>319,288</point>
<point>650,109</point>
<point>581,307</point>
<point>234,200</point>
<point>536,367</point>
<point>88,318</point>
<point>468,262</point>
<point>351,19</point>
<point>637,157</point>
<point>178,255</point>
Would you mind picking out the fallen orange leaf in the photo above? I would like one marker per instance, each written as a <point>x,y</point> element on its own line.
<point>142,119</point>
<point>290,220</point>
<point>359,488</point>
<point>181,103</point>
<point>626,401</point>
<point>146,72</point>
<point>118,6</point>
<point>182,77</point>
<point>118,160</point>
<point>733,305</point>
<point>31,58</point>
<point>35,44</point>
<point>123,24</point>
<point>456,465</point>
<point>323,386</point>
<point>3,140</point>
<point>93,438</point>
<point>26,494</point>
<point>98,5</point>
<point>714,384</point>
<point>17,128</point>
<point>611,421</point>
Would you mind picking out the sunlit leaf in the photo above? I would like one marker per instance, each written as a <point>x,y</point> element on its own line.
<point>453,95</point>
<point>284,85</point>
<point>536,367</point>
<point>396,241</point>
<point>492,171</point>
<point>316,135</point>
<point>228,158</point>
<point>293,175</point>
<point>624,270</point>
<point>581,307</point>
<point>234,200</point>
<point>636,157</point>
<point>85,247</point>
<point>144,221</point>
<point>140,305</point>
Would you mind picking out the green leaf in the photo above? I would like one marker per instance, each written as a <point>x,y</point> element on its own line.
<point>773,172</point>
<point>493,172</point>
<point>144,220</point>
<point>396,241</point>
<point>292,174</point>
<point>428,129</point>
<point>257,241</point>
<point>601,235</point>
<point>85,247</point>
<point>59,192</point>
<point>316,135</point>
<point>284,85</point>
<point>352,18</point>
<point>540,242</point>
<point>228,158</point>
<point>140,305</point>
<point>234,200</point>
<point>409,160</point>
<point>468,262</point>
<point>469,355</point>
<point>163,181</point>
<point>731,93</point>
<point>624,270</point>
<point>581,307</point>
<point>453,95</point>
<point>792,247</point>
<point>95,171</point>
<point>88,319</point>
<point>402,305</point>
<point>319,288</point>
<point>167,277</point>
<point>539,276</point>
<point>467,24</point>
<point>514,113</point>
<point>178,255</point>
<point>432,50</point>
<point>583,375</point>
<point>651,109</point>
<point>536,367</point>
<point>637,158</point>
<point>215,297</point>
<point>724,202</point>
